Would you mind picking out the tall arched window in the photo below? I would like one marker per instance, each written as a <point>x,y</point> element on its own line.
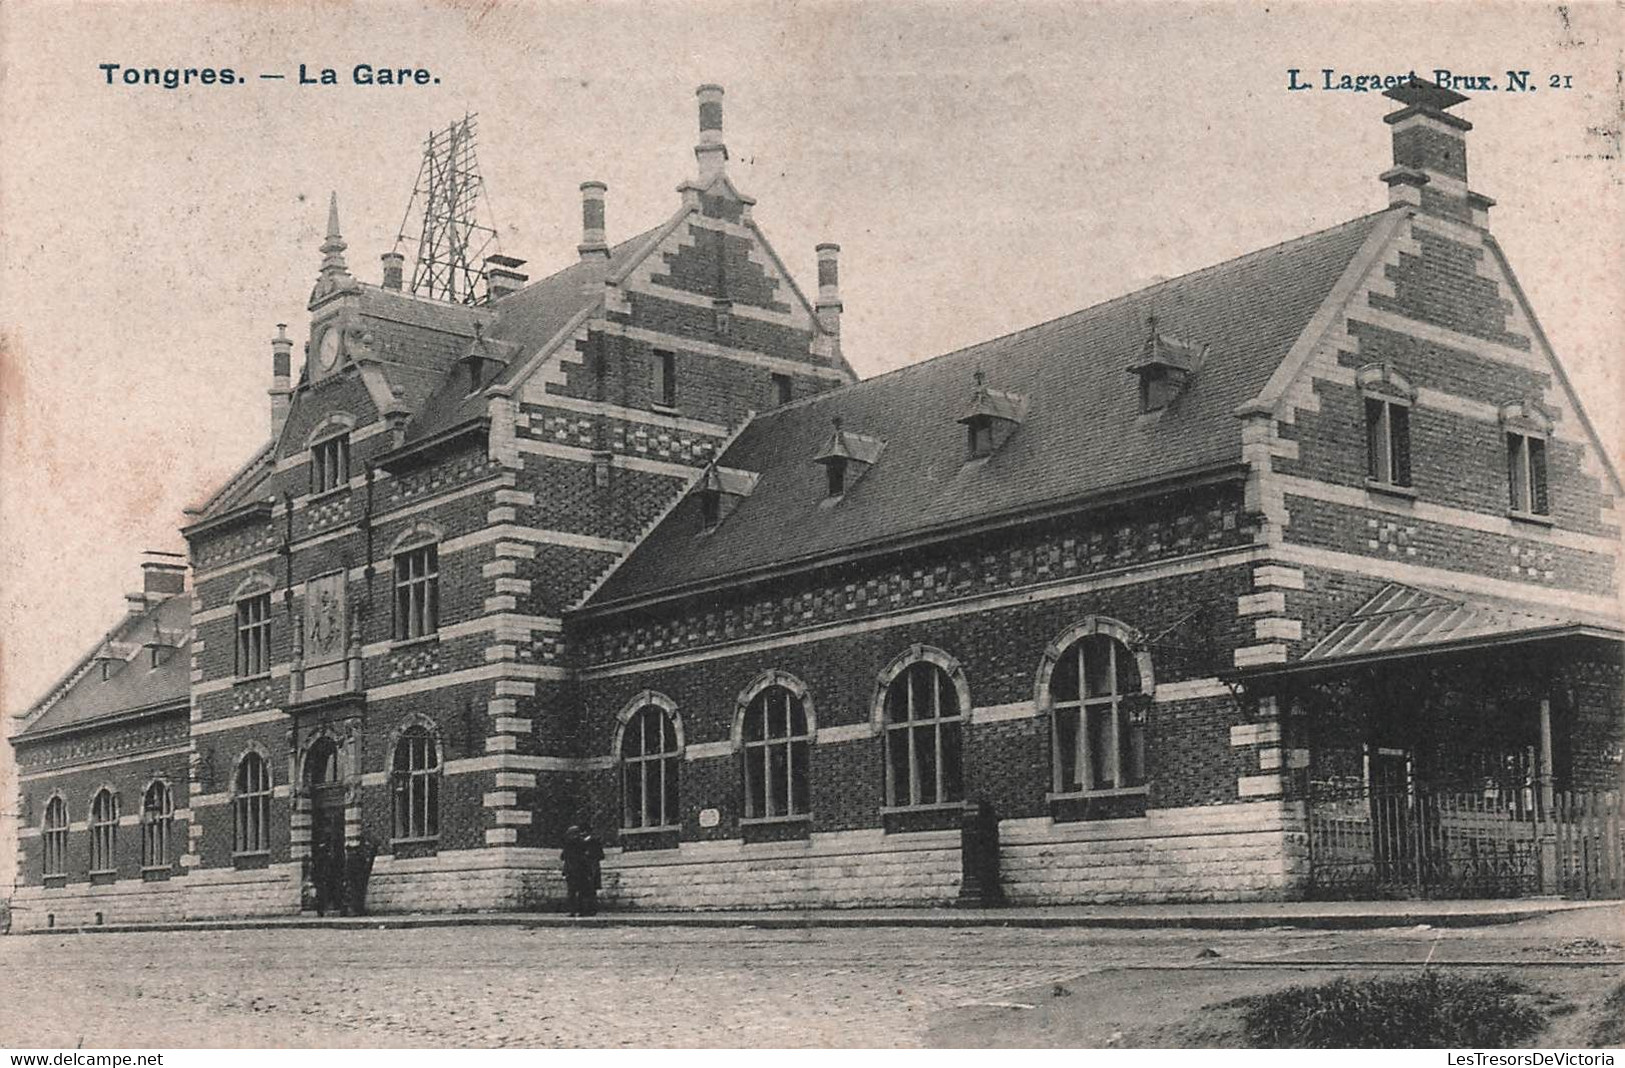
<point>924,723</point>
<point>251,806</point>
<point>55,838</point>
<point>103,831</point>
<point>775,740</point>
<point>157,819</point>
<point>1098,728</point>
<point>416,771</point>
<point>649,759</point>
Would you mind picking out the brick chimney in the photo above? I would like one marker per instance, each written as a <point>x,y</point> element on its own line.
<point>281,375</point>
<point>829,288</point>
<point>594,248</point>
<point>711,153</point>
<point>163,575</point>
<point>394,263</point>
<point>502,277</point>
<point>1430,154</point>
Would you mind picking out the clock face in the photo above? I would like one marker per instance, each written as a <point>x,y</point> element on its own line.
<point>328,352</point>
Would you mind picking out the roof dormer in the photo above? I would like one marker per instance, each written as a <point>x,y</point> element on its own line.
<point>1165,368</point>
<point>992,416</point>
<point>846,457</point>
<point>720,490</point>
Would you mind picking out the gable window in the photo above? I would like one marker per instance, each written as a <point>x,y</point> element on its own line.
<point>416,771</point>
<point>665,381</point>
<point>775,742</point>
<point>1526,474</point>
<point>103,832</point>
<point>1388,441</point>
<point>254,635</point>
<point>251,806</point>
<point>924,724</point>
<point>417,593</point>
<point>722,313</point>
<point>330,464</point>
<point>157,820</point>
<point>649,761</point>
<point>1097,725</point>
<point>782,389</point>
<point>54,838</point>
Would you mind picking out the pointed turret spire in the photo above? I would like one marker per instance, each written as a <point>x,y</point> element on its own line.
<point>333,247</point>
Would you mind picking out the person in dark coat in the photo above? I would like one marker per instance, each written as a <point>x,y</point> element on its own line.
<point>577,871</point>
<point>593,851</point>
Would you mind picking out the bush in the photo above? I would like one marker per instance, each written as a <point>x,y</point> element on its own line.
<point>1431,1010</point>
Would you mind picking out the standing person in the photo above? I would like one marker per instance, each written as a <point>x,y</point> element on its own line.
<point>577,869</point>
<point>592,851</point>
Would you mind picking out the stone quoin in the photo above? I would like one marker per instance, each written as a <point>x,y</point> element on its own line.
<point>1225,589</point>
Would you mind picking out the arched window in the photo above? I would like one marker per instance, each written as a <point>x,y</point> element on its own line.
<point>55,837</point>
<point>649,756</point>
<point>774,741</point>
<point>416,772</point>
<point>1098,728</point>
<point>103,831</point>
<point>157,818</point>
<point>251,806</point>
<point>924,724</point>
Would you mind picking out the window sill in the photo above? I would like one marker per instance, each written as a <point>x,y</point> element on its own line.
<point>1533,519</point>
<point>665,409</point>
<point>244,680</point>
<point>251,861</point>
<point>326,495</point>
<point>403,644</point>
<point>430,839</point>
<point>1078,795</point>
<point>937,806</point>
<point>758,821</point>
<point>56,882</point>
<point>156,873</point>
<point>1389,489</point>
<point>664,829</point>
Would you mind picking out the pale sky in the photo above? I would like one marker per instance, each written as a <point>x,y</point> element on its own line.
<point>984,167</point>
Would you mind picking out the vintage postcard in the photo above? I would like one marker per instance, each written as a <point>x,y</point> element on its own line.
<point>750,525</point>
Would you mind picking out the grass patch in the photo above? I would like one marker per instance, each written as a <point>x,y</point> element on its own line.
<point>1430,1010</point>
<point>1609,1030</point>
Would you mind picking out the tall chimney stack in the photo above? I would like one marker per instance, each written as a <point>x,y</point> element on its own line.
<point>594,248</point>
<point>1430,154</point>
<point>281,374</point>
<point>829,289</point>
<point>711,153</point>
<point>394,262</point>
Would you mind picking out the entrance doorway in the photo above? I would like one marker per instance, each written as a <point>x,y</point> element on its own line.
<point>326,793</point>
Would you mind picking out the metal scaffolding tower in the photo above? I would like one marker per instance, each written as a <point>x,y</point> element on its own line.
<point>452,243</point>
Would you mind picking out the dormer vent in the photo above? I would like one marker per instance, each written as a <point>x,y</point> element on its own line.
<point>160,644</point>
<point>483,361</point>
<point>719,491</point>
<point>846,457</point>
<point>1165,368</point>
<point>992,416</point>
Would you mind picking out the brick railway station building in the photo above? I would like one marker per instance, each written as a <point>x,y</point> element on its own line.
<point>1296,575</point>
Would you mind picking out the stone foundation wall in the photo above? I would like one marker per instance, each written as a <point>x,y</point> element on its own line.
<point>843,869</point>
<point>1203,853</point>
<point>217,894</point>
<point>467,880</point>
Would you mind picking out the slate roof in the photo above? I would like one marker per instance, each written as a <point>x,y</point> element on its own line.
<point>87,698</point>
<point>1083,434</point>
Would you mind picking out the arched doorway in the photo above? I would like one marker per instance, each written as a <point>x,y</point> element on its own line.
<point>325,789</point>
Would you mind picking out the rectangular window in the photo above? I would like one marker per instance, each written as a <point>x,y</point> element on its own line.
<point>1526,474</point>
<point>417,593</point>
<point>330,464</point>
<point>782,389</point>
<point>254,635</point>
<point>1388,442</point>
<point>665,384</point>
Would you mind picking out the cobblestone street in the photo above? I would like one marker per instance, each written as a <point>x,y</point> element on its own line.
<point>499,986</point>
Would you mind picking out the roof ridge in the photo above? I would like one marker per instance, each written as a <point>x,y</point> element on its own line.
<point>1109,302</point>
